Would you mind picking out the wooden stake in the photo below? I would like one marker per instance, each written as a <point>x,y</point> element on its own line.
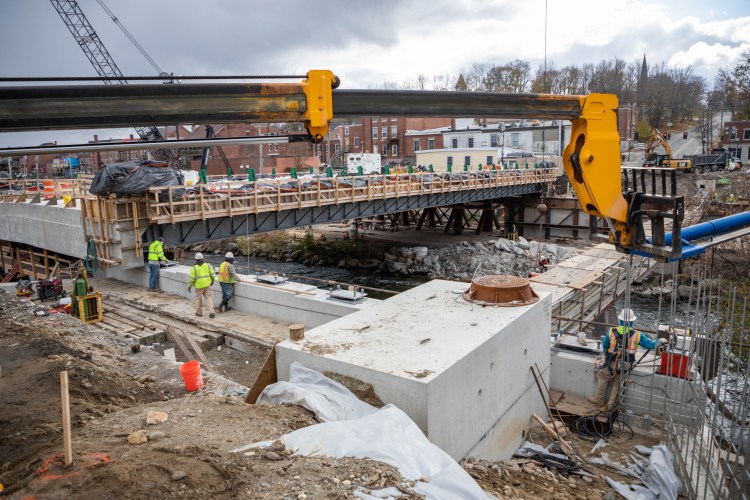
<point>564,446</point>
<point>67,443</point>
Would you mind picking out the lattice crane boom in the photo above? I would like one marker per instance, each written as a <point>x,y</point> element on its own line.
<point>99,57</point>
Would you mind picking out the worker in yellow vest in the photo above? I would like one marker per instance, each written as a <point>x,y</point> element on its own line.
<point>619,346</point>
<point>227,277</point>
<point>202,277</point>
<point>156,259</point>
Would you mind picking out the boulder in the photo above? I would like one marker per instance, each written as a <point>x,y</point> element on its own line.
<point>500,245</point>
<point>421,252</point>
<point>523,243</point>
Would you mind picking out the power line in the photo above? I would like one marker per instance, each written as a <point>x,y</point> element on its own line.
<point>132,39</point>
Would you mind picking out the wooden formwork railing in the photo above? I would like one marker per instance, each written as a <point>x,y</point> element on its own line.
<point>21,190</point>
<point>573,312</point>
<point>181,203</point>
<point>34,263</point>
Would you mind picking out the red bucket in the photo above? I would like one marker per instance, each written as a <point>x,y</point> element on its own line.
<point>191,375</point>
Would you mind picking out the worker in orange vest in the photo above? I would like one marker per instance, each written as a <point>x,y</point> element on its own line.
<point>619,346</point>
<point>227,278</point>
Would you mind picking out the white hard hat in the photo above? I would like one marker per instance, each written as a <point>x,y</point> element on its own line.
<point>627,315</point>
<point>229,255</point>
<point>199,256</point>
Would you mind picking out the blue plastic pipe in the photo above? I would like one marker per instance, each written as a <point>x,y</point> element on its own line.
<point>712,228</point>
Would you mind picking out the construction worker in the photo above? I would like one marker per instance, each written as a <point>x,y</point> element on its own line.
<point>155,260</point>
<point>619,346</point>
<point>202,277</point>
<point>731,199</point>
<point>227,277</point>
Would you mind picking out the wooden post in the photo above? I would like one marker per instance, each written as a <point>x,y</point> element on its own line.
<point>67,443</point>
<point>296,332</point>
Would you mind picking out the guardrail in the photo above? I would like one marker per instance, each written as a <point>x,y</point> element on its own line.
<point>172,204</point>
<point>16,190</point>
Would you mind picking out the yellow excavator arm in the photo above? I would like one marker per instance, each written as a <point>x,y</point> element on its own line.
<point>654,139</point>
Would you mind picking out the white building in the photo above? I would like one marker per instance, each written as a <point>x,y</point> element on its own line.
<point>533,137</point>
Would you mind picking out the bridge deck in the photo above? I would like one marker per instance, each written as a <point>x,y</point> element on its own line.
<point>169,205</point>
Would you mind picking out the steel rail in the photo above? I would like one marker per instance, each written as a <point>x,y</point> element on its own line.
<point>92,106</point>
<point>141,145</point>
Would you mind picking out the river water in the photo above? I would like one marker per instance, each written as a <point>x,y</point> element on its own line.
<point>296,271</point>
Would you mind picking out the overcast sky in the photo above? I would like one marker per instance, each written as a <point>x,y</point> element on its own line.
<point>368,43</point>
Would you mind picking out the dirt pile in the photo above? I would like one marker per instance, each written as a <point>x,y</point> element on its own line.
<point>112,390</point>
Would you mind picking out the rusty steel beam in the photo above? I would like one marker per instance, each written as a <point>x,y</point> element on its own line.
<point>91,106</point>
<point>353,103</point>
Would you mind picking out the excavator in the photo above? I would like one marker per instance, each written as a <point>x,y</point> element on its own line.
<point>653,159</point>
<point>639,205</point>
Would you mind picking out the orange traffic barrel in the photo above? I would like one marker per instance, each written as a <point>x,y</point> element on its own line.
<point>49,189</point>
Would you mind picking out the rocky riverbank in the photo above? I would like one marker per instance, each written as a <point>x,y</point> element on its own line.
<point>458,261</point>
<point>465,259</point>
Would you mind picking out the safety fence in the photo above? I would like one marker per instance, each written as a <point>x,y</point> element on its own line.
<point>699,393</point>
<point>24,190</point>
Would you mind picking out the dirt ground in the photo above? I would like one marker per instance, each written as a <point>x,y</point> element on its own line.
<point>112,390</point>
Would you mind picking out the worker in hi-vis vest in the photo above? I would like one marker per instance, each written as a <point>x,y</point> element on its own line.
<point>202,277</point>
<point>619,346</point>
<point>155,260</point>
<point>227,277</point>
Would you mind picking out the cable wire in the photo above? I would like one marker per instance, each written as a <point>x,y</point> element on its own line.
<point>132,39</point>
<point>92,260</point>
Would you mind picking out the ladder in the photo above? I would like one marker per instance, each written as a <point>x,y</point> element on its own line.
<point>12,274</point>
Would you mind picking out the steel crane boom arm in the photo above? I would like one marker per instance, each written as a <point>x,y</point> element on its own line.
<point>591,159</point>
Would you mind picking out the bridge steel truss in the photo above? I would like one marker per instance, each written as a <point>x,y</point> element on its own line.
<point>217,228</point>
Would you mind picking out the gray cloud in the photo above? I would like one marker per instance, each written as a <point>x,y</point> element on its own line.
<point>367,43</point>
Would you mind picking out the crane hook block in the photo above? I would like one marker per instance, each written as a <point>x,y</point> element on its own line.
<point>318,87</point>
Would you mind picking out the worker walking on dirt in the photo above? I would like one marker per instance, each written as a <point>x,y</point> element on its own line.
<point>227,277</point>
<point>619,346</point>
<point>202,277</point>
<point>155,260</point>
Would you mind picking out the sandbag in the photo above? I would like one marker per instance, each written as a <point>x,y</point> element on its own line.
<point>134,177</point>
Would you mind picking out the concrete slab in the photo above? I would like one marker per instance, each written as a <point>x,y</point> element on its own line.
<point>261,330</point>
<point>458,369</point>
<point>54,228</point>
<point>289,302</point>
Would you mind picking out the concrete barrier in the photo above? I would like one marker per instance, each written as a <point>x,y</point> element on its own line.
<point>310,306</point>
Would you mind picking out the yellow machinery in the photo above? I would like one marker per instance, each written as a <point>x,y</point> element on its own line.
<point>652,159</point>
<point>87,304</point>
<point>591,159</point>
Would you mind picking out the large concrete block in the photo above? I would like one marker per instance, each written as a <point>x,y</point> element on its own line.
<point>459,370</point>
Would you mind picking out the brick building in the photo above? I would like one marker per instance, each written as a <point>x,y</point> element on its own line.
<point>387,136</point>
<point>736,139</point>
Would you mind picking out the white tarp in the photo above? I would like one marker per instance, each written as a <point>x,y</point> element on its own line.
<point>329,400</point>
<point>352,428</point>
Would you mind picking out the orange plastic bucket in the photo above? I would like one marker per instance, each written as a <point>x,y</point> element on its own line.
<point>191,375</point>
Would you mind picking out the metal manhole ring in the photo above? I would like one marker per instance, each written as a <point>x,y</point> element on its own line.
<point>501,290</point>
